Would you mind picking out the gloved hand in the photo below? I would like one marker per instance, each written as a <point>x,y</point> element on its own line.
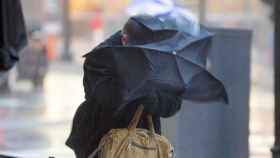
<point>161,103</point>
<point>170,103</point>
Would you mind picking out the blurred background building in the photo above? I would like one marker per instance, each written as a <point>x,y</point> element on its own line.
<point>35,123</point>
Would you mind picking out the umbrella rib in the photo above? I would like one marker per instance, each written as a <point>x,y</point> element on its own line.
<point>151,65</point>
<point>192,62</point>
<point>194,76</point>
<point>178,69</point>
<point>154,51</point>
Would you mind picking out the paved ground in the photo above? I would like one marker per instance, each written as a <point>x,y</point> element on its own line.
<point>36,123</point>
<point>261,108</point>
<point>261,124</point>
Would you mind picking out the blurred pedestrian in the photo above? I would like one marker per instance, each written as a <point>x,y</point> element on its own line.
<point>13,38</point>
<point>12,33</point>
<point>34,59</point>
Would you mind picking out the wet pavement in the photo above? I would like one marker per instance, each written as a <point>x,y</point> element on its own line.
<point>37,123</point>
<point>261,109</point>
<point>261,124</point>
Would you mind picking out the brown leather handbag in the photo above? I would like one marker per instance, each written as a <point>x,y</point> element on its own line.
<point>133,142</point>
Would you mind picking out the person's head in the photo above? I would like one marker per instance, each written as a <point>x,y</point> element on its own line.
<point>137,33</point>
<point>134,32</point>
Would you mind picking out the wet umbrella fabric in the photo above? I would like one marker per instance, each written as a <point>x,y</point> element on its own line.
<point>176,64</point>
<point>12,33</point>
<point>165,9</point>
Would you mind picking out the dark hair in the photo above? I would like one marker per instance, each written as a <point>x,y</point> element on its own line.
<point>138,33</point>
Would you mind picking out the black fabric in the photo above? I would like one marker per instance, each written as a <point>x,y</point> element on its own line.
<point>139,33</point>
<point>12,33</point>
<point>95,117</point>
<point>149,67</point>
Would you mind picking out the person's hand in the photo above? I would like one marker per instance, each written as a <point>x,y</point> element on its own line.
<point>161,103</point>
<point>170,104</point>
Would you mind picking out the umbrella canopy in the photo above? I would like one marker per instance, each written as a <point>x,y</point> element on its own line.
<point>166,9</point>
<point>176,64</point>
<point>151,7</point>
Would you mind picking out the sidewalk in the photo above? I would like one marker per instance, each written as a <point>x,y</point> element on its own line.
<point>261,111</point>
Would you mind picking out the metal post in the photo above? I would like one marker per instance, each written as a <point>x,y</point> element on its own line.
<point>202,11</point>
<point>66,53</point>
<point>276,149</point>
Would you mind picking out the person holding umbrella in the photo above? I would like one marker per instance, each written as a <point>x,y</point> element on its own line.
<point>140,65</point>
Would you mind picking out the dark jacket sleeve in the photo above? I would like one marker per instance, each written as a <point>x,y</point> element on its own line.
<point>13,36</point>
<point>160,103</point>
<point>101,83</point>
<point>168,104</point>
<point>100,92</point>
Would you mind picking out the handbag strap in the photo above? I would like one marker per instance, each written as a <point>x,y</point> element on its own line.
<point>136,118</point>
<point>132,126</point>
<point>151,124</point>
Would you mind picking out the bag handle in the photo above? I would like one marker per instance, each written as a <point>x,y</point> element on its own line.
<point>132,126</point>
<point>136,118</point>
<point>151,124</point>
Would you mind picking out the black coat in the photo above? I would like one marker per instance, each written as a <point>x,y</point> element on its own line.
<point>13,36</point>
<point>95,116</point>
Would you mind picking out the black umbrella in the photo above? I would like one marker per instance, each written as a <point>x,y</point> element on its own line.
<point>175,64</point>
<point>12,32</point>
